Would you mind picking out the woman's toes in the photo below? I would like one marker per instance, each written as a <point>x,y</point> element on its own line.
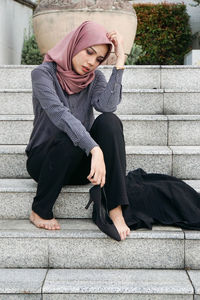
<point>46,226</point>
<point>122,236</point>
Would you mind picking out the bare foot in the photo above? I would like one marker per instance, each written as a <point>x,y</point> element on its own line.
<point>119,222</point>
<point>42,223</point>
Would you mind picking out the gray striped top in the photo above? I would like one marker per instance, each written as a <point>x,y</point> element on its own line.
<point>56,111</point>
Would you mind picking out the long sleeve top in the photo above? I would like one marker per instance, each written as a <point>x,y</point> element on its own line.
<point>55,110</point>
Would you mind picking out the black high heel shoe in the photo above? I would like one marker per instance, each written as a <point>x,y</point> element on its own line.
<point>100,214</point>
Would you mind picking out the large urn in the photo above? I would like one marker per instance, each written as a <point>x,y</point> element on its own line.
<point>53,19</point>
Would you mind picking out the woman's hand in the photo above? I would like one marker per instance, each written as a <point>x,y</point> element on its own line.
<point>98,170</point>
<point>118,43</point>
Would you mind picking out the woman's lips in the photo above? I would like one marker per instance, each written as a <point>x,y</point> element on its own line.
<point>85,69</point>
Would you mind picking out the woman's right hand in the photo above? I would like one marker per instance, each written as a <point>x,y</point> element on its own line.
<point>98,170</point>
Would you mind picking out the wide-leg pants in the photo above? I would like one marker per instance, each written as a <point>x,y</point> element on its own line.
<point>58,162</point>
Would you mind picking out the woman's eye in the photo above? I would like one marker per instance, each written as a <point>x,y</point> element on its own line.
<point>89,52</point>
<point>99,60</point>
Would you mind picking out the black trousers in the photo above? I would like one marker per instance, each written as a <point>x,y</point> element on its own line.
<point>58,162</point>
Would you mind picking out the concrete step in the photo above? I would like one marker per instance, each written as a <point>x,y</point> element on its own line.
<point>71,284</point>
<point>90,284</point>
<point>138,129</point>
<point>16,197</point>
<point>135,77</point>
<point>180,161</point>
<point>134,101</point>
<point>80,244</point>
<point>150,158</point>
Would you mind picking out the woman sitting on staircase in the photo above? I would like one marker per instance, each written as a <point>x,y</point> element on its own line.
<point>67,146</point>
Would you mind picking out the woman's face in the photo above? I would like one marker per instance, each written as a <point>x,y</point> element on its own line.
<point>89,59</point>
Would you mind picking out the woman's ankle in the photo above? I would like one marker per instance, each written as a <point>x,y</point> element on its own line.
<point>116,212</point>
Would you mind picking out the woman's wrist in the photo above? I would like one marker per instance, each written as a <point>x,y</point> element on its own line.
<point>120,61</point>
<point>94,149</point>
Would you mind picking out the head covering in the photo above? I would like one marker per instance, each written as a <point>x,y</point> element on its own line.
<point>86,35</point>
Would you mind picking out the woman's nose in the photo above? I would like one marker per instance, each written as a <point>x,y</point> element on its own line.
<point>91,61</point>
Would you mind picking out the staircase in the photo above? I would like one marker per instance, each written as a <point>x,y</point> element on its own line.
<point>160,112</point>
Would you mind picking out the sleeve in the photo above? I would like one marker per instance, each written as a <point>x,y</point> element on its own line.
<point>59,115</point>
<point>106,96</point>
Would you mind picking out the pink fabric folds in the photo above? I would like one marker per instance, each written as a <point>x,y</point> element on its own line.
<point>87,34</point>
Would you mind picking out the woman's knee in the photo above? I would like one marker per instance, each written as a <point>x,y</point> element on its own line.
<point>108,122</point>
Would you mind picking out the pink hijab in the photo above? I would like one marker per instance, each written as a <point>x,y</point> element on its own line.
<point>87,34</point>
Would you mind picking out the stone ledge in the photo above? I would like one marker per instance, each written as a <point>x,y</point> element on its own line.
<point>85,228</point>
<point>89,283</point>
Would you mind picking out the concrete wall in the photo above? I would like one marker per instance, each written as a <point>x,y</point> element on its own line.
<point>15,18</point>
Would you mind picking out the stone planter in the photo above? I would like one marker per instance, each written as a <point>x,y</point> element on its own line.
<point>53,19</point>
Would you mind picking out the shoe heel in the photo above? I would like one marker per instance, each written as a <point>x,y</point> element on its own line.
<point>89,202</point>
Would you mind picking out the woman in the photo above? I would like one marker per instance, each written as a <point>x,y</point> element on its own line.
<point>67,146</point>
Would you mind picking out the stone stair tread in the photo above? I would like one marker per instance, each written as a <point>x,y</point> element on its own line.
<point>125,90</point>
<point>180,161</point>
<point>171,77</point>
<point>16,197</point>
<point>81,228</point>
<point>99,283</point>
<point>80,244</point>
<point>130,149</point>
<point>29,186</point>
<point>139,149</point>
<point>117,281</point>
<point>185,149</point>
<point>28,117</point>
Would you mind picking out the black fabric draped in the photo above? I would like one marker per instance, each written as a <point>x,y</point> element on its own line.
<point>160,199</point>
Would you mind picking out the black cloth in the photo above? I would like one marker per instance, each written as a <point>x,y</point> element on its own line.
<point>58,162</point>
<point>160,199</point>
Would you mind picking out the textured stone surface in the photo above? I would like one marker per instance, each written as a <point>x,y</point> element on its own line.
<point>118,281</point>
<point>80,244</point>
<point>68,205</point>
<point>15,129</point>
<point>22,252</point>
<point>16,196</point>
<point>17,77</point>
<point>154,159</point>
<point>16,102</point>
<point>107,253</point>
<point>145,130</point>
<point>184,103</point>
<point>20,297</point>
<point>117,297</point>
<point>141,102</point>
<point>192,246</point>
<point>138,77</point>
<point>180,77</point>
<point>135,77</point>
<point>84,4</point>
<point>195,278</point>
<point>13,162</point>
<point>186,161</point>
<point>158,159</point>
<point>21,281</point>
<point>133,102</point>
<point>184,130</point>
<point>151,158</point>
<point>138,130</point>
